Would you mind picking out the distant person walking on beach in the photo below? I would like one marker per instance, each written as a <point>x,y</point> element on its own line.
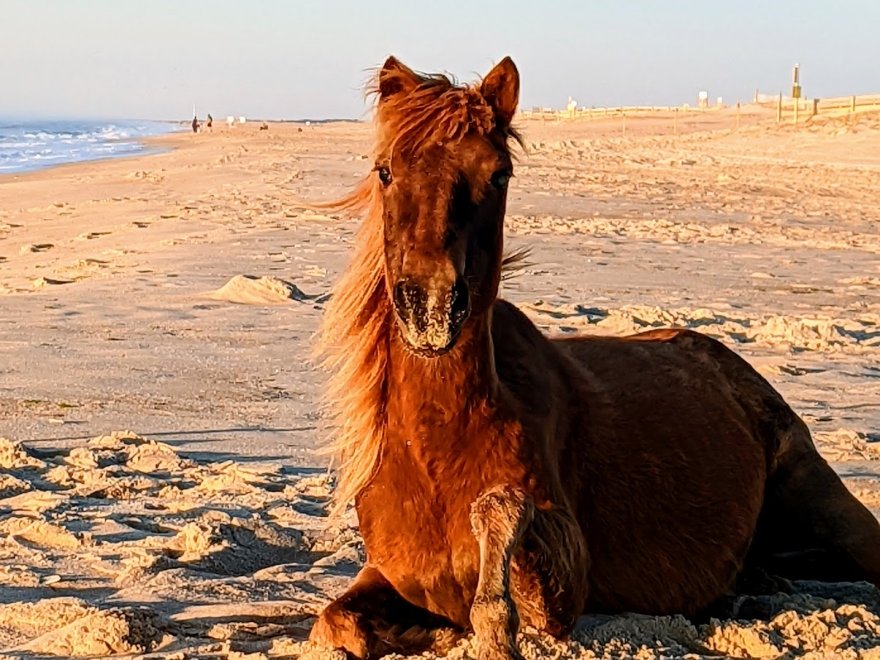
<point>195,124</point>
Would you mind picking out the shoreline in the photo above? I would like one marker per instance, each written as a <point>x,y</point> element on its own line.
<point>157,145</point>
<point>144,153</point>
<point>145,142</point>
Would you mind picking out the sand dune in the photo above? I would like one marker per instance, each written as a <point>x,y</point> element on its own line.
<point>252,290</point>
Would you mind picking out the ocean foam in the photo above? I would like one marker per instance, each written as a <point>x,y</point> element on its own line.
<point>32,145</point>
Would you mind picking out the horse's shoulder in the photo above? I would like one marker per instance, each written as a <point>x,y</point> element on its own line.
<point>503,310</point>
<point>511,326</point>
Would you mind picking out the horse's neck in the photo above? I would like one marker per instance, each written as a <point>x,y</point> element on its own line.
<point>428,392</point>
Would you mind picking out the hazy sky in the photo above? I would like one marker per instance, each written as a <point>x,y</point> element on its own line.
<point>297,59</point>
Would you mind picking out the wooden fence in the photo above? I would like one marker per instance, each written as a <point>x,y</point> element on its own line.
<point>785,108</point>
<point>593,113</point>
<point>831,106</point>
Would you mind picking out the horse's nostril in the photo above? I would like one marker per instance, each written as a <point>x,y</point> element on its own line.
<point>410,300</point>
<point>400,295</point>
<point>460,302</point>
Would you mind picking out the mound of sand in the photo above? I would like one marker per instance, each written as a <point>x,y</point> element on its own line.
<point>252,290</point>
<point>101,633</point>
<point>34,619</point>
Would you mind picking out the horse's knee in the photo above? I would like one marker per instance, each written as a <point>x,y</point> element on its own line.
<point>504,510</point>
<point>340,628</point>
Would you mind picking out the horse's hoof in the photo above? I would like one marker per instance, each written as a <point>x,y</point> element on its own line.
<point>315,651</point>
<point>495,623</point>
<point>498,653</point>
<point>339,630</point>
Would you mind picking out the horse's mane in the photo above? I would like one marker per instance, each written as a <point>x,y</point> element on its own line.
<point>437,110</point>
<point>357,323</point>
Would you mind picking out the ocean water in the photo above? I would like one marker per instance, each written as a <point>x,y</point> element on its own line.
<point>32,145</point>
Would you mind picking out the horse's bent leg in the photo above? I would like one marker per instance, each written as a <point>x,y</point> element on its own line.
<point>814,528</point>
<point>499,518</point>
<point>371,619</point>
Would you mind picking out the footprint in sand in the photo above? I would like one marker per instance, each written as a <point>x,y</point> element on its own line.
<point>140,224</point>
<point>40,282</point>
<point>315,271</point>
<point>795,370</point>
<point>83,268</point>
<point>35,247</point>
<point>146,175</point>
<point>90,235</point>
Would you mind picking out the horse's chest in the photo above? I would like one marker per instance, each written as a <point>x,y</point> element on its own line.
<point>417,533</point>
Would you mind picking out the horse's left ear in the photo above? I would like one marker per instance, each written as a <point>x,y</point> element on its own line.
<point>500,88</point>
<point>395,78</point>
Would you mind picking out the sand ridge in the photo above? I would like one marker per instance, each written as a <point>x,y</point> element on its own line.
<point>128,522</point>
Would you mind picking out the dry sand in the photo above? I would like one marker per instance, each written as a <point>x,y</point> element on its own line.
<point>176,294</point>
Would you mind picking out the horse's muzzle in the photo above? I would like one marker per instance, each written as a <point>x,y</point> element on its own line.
<point>430,322</point>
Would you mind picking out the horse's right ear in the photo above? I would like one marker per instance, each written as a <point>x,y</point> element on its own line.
<point>500,88</point>
<point>395,77</point>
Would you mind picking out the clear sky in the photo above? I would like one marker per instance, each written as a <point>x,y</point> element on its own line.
<point>298,59</point>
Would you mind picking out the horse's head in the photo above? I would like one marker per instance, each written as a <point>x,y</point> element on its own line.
<point>442,169</point>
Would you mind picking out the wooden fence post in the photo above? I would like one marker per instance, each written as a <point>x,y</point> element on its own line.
<point>852,104</point>
<point>779,109</point>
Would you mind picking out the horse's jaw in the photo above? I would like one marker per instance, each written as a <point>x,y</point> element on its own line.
<point>467,366</point>
<point>463,374</point>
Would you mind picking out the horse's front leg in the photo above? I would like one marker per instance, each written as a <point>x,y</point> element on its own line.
<point>543,553</point>
<point>371,620</point>
<point>499,519</point>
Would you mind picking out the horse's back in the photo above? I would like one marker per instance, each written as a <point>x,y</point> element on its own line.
<point>671,451</point>
<point>689,366</point>
<point>657,372</point>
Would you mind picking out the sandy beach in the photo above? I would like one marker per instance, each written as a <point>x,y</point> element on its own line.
<point>162,493</point>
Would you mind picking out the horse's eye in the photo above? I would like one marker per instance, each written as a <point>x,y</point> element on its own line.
<point>384,175</point>
<point>501,178</point>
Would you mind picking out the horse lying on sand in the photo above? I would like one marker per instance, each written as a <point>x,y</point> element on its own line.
<point>502,477</point>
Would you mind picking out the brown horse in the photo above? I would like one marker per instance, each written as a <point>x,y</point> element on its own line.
<point>500,476</point>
